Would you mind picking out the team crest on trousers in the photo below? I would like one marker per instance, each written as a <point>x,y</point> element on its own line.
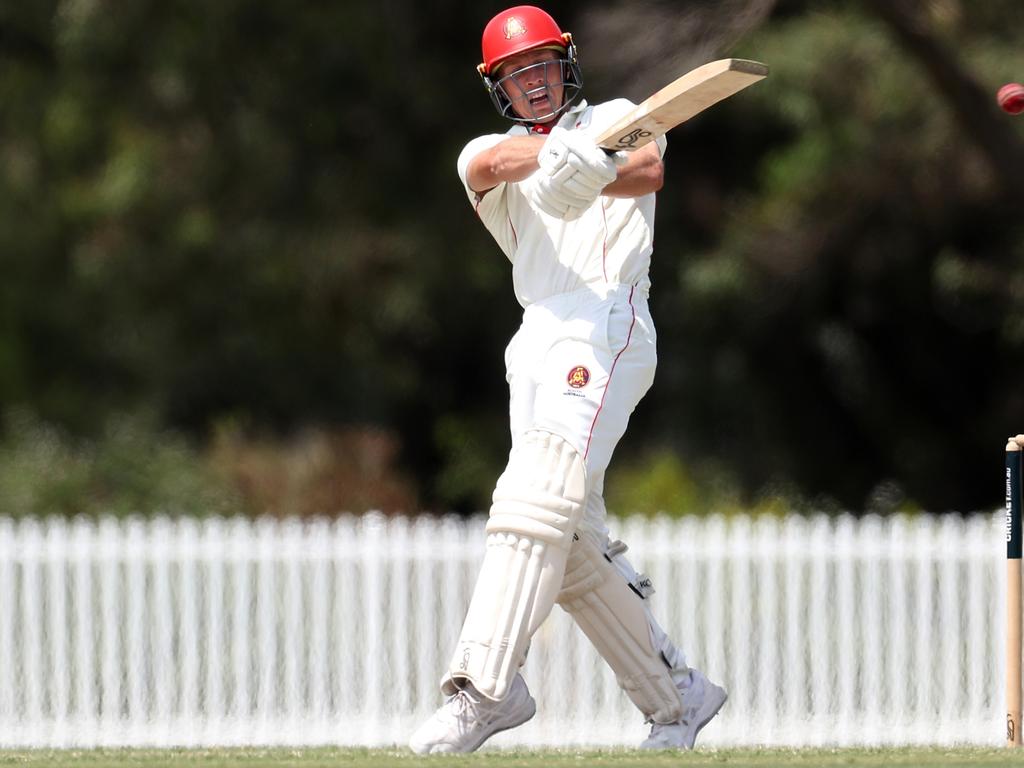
<point>578,377</point>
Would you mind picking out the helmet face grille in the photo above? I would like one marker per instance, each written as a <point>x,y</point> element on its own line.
<point>564,73</point>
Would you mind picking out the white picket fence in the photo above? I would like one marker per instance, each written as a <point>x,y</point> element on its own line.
<point>826,631</point>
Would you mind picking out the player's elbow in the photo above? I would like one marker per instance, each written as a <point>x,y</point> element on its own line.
<point>482,174</point>
<point>651,179</point>
<point>657,176</point>
<point>491,168</point>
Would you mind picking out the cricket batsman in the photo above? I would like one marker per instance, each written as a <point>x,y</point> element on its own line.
<point>577,225</point>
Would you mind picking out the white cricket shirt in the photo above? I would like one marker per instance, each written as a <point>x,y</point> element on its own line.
<point>609,244</point>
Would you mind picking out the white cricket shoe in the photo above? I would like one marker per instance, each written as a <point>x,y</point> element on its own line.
<point>701,701</point>
<point>468,719</point>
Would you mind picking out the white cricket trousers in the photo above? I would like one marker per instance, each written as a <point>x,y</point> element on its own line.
<point>578,366</point>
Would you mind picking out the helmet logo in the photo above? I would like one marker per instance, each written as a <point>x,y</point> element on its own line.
<point>514,27</point>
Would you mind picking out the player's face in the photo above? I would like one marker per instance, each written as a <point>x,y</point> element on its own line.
<point>533,82</point>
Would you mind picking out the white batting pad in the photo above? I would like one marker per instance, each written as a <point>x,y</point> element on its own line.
<point>537,504</point>
<point>609,608</point>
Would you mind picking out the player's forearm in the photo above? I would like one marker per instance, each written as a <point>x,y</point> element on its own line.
<point>643,174</point>
<point>512,160</point>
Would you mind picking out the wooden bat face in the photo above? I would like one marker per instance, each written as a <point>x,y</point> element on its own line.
<point>680,100</point>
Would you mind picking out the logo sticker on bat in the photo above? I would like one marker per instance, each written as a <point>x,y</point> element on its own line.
<point>631,138</point>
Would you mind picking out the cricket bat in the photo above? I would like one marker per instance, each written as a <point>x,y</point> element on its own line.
<point>680,100</point>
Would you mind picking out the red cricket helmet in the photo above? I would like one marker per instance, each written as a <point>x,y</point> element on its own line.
<point>525,28</point>
<point>516,30</point>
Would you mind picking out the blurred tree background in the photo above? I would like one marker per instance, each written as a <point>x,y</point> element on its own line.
<point>239,273</point>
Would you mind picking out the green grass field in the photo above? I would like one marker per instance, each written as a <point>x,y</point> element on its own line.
<point>381,758</point>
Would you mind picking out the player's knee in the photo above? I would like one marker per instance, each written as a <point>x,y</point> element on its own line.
<point>543,490</point>
<point>592,561</point>
<point>584,571</point>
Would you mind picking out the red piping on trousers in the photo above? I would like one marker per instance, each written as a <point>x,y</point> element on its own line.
<point>604,245</point>
<point>611,373</point>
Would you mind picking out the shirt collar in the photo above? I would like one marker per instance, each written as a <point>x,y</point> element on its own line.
<point>567,119</point>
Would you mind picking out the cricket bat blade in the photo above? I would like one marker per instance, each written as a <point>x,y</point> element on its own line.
<point>680,100</point>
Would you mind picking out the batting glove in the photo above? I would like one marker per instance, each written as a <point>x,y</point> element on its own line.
<point>549,196</point>
<point>574,155</point>
<point>573,172</point>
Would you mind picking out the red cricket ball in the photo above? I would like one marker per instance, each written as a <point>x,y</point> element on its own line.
<point>1011,98</point>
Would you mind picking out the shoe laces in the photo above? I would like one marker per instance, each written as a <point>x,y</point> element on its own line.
<point>462,708</point>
